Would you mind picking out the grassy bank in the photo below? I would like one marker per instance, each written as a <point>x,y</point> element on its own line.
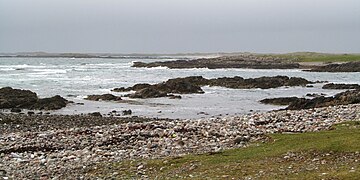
<point>317,57</point>
<point>320,155</point>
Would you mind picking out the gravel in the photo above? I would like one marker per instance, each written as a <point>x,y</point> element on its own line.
<point>58,147</point>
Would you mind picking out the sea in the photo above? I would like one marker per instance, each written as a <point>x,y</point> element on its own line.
<point>75,78</point>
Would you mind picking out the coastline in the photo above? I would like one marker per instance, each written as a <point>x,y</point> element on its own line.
<point>35,146</point>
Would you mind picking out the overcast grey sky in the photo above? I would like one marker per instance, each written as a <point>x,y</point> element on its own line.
<point>170,26</point>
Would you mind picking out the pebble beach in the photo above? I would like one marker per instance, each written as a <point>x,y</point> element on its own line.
<point>58,147</point>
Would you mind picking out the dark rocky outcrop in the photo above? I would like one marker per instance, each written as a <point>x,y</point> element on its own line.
<point>282,101</point>
<point>261,82</point>
<point>134,88</point>
<point>95,114</point>
<point>24,99</point>
<point>104,97</point>
<point>149,92</point>
<point>240,61</point>
<point>347,97</point>
<point>344,98</point>
<point>16,98</point>
<point>344,67</point>
<point>341,86</point>
<point>193,84</point>
<point>53,103</point>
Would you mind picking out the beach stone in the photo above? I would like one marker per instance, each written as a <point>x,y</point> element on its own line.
<point>241,139</point>
<point>96,114</point>
<point>127,112</point>
<point>15,110</point>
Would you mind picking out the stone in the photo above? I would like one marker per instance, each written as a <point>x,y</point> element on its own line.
<point>96,114</point>
<point>15,110</point>
<point>193,84</point>
<point>341,86</point>
<point>16,98</point>
<point>127,112</point>
<point>280,100</point>
<point>104,97</point>
<point>344,98</point>
<point>238,61</point>
<point>338,67</point>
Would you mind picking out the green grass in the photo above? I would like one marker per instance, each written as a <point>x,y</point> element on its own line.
<point>329,154</point>
<point>317,57</point>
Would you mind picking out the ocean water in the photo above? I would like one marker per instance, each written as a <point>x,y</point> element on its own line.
<point>76,78</point>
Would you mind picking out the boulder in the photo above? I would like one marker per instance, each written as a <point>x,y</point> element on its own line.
<point>104,97</point>
<point>344,98</point>
<point>282,101</point>
<point>53,103</point>
<point>136,87</point>
<point>25,99</point>
<point>261,82</point>
<point>95,114</point>
<point>341,86</point>
<point>149,92</point>
<point>127,112</point>
<point>15,110</point>
<point>343,67</point>
<point>16,98</point>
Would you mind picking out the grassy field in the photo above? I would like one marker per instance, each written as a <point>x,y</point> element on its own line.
<point>317,57</point>
<point>332,154</point>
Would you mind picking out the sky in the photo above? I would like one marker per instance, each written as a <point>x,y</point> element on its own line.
<point>180,26</point>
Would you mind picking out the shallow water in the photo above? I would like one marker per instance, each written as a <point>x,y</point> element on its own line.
<point>81,77</point>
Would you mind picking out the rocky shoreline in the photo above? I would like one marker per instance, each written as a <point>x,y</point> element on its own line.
<point>295,103</point>
<point>252,62</point>
<point>240,61</point>
<point>342,67</point>
<point>58,147</point>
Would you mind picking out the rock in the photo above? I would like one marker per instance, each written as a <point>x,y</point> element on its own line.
<point>315,95</point>
<point>239,61</point>
<point>343,67</point>
<point>149,92</point>
<point>341,86</point>
<point>261,82</point>
<point>192,84</point>
<point>241,139</point>
<point>96,114</point>
<point>30,113</point>
<point>166,89</point>
<point>15,110</point>
<point>127,112</point>
<point>348,97</point>
<point>134,88</point>
<point>280,101</point>
<point>16,98</point>
<point>53,103</point>
<point>104,97</point>
<point>174,96</point>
